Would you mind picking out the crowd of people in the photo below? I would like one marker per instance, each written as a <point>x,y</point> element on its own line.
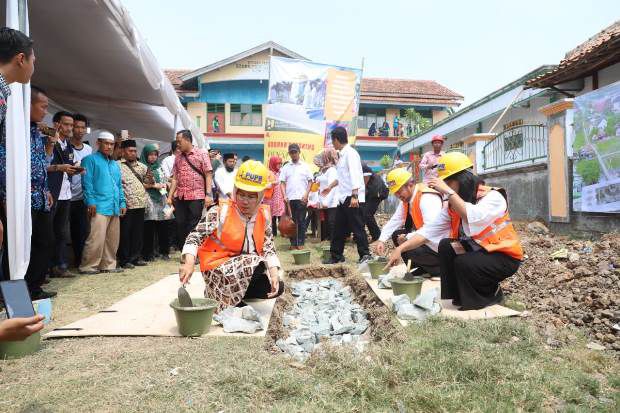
<point>119,209</point>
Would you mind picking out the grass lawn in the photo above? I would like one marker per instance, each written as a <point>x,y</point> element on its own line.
<point>439,365</point>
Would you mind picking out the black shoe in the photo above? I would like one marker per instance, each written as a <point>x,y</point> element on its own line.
<point>90,272</point>
<point>149,259</point>
<point>139,263</point>
<point>420,272</point>
<point>42,295</point>
<point>456,302</point>
<point>128,266</point>
<point>365,259</point>
<point>113,271</point>
<point>333,261</point>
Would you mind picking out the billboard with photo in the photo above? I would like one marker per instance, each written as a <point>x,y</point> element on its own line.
<point>596,151</point>
<point>306,101</point>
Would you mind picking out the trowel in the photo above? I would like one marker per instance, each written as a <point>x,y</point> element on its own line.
<point>184,299</point>
<point>408,276</point>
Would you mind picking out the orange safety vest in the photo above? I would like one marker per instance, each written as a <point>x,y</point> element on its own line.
<point>414,206</point>
<point>500,236</point>
<point>229,238</point>
<point>271,179</point>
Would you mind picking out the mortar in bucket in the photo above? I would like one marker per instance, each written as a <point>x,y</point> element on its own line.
<point>412,288</point>
<point>301,257</point>
<point>194,321</point>
<point>376,267</point>
<point>19,349</point>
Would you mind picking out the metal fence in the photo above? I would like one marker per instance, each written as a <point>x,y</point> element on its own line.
<point>525,143</point>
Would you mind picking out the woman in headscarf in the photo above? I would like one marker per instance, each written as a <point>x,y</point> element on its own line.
<point>329,201</point>
<point>155,218</point>
<point>273,193</point>
<point>235,244</point>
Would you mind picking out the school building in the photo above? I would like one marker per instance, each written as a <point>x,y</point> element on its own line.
<point>227,100</point>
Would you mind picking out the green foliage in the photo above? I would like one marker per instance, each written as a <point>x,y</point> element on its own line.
<point>589,170</point>
<point>386,161</point>
<point>580,141</point>
<point>612,123</point>
<point>417,121</point>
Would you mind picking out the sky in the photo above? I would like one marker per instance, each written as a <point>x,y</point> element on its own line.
<point>472,47</point>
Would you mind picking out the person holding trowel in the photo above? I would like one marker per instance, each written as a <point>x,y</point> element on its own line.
<point>483,247</point>
<point>419,205</point>
<point>234,242</point>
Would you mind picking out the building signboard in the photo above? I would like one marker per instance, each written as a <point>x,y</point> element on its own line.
<point>306,102</point>
<point>596,151</point>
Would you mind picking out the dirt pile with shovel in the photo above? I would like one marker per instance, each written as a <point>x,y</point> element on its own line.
<point>570,283</point>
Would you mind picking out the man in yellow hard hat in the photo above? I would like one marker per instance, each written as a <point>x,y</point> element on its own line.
<point>419,205</point>
<point>234,242</point>
<point>482,248</point>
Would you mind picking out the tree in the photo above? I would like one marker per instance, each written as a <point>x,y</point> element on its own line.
<point>386,161</point>
<point>417,121</point>
<point>589,170</point>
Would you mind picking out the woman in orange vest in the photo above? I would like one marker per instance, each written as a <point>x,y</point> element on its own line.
<point>234,242</point>
<point>483,248</point>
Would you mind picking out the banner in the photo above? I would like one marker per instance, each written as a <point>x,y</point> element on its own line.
<point>596,151</point>
<point>306,102</point>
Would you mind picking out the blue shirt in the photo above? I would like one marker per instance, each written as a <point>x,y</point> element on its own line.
<point>102,184</point>
<point>38,170</point>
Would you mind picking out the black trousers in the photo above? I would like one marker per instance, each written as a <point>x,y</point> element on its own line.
<point>41,243</point>
<point>152,228</point>
<point>473,277</point>
<point>62,237</point>
<point>370,209</point>
<point>187,214</point>
<point>132,228</point>
<point>298,212</point>
<point>80,227</point>
<point>328,225</point>
<point>259,284</point>
<point>423,257</point>
<point>312,220</point>
<point>349,220</point>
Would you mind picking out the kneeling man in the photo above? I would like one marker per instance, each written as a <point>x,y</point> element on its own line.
<point>420,204</point>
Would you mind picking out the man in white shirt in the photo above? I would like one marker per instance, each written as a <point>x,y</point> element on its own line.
<point>419,206</point>
<point>78,213</point>
<point>351,193</point>
<point>295,179</point>
<point>168,162</point>
<point>225,177</point>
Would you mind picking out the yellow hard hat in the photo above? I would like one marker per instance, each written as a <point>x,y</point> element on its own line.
<point>252,176</point>
<point>451,163</point>
<point>396,178</point>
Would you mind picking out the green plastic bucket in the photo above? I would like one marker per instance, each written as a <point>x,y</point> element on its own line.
<point>411,288</point>
<point>376,267</point>
<point>194,321</point>
<point>301,257</point>
<point>19,349</point>
<point>327,254</point>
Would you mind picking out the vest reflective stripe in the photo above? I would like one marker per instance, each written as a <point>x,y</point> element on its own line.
<point>414,207</point>
<point>229,239</point>
<point>500,236</point>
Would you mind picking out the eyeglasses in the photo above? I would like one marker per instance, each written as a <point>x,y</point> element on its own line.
<point>247,197</point>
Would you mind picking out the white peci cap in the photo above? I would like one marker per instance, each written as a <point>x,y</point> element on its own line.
<point>105,136</point>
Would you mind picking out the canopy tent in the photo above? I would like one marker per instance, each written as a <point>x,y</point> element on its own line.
<point>90,59</point>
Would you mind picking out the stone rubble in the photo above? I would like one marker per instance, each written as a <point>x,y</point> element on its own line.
<point>239,320</point>
<point>424,305</point>
<point>324,309</point>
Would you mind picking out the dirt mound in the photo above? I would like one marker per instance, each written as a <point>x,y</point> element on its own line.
<point>579,288</point>
<point>382,326</point>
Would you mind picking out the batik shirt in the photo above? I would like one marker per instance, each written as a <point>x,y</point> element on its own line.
<point>135,193</point>
<point>38,170</point>
<point>5,92</point>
